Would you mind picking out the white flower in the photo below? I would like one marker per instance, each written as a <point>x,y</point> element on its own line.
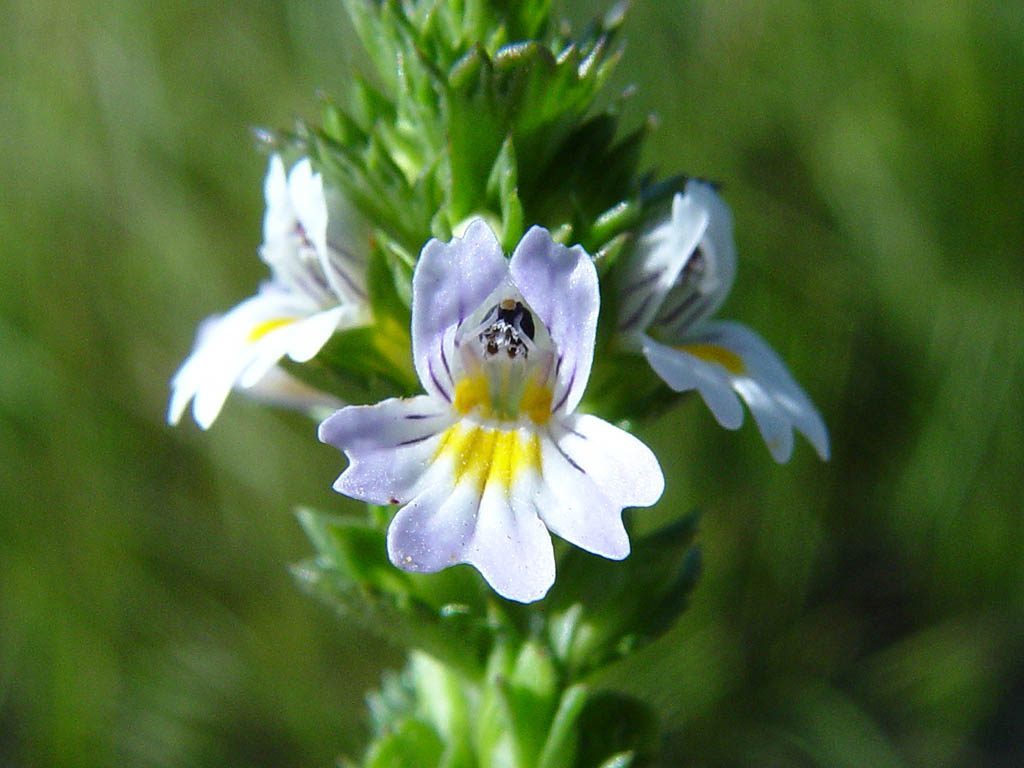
<point>493,456</point>
<point>316,288</point>
<point>681,273</point>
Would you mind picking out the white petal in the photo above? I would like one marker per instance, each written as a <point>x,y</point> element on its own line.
<point>699,218</point>
<point>760,378</point>
<point>278,387</point>
<point>390,446</point>
<point>227,347</point>
<point>660,256</point>
<point>348,239</point>
<point>300,340</point>
<point>431,532</point>
<point>450,282</point>
<point>777,402</point>
<point>306,192</point>
<point>591,471</point>
<point>560,285</point>
<point>511,546</point>
<point>717,243</point>
<point>279,218</point>
<point>497,533</point>
<point>684,372</point>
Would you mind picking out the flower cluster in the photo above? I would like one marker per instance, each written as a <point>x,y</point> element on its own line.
<point>495,455</point>
<point>467,272</point>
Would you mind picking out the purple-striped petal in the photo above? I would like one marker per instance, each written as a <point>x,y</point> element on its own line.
<point>390,446</point>
<point>683,268</point>
<point>497,532</point>
<point>450,282</point>
<point>560,285</point>
<point>725,359</point>
<point>776,401</point>
<point>592,470</point>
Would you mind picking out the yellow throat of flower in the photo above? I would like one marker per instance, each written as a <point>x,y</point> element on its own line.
<point>503,398</point>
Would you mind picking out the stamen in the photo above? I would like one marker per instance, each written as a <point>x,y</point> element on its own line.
<point>511,330</point>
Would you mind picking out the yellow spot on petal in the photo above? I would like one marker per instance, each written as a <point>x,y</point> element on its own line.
<point>712,353</point>
<point>536,402</point>
<point>482,455</point>
<point>261,329</point>
<point>470,393</point>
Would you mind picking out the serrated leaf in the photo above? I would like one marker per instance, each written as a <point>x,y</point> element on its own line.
<point>377,36</point>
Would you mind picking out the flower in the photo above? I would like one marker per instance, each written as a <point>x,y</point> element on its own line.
<point>493,456</point>
<point>681,273</point>
<point>316,288</point>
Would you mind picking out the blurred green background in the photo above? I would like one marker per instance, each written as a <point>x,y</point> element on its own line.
<point>864,612</point>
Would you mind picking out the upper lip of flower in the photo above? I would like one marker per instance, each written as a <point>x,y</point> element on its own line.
<point>687,267</point>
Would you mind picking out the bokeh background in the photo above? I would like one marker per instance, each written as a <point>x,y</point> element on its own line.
<point>864,612</point>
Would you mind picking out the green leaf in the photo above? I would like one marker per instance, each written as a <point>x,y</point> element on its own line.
<point>411,744</point>
<point>374,23</point>
<point>502,189</point>
<point>615,730</point>
<point>532,688</point>
<point>600,607</point>
<point>475,129</point>
<point>444,702</point>
<point>352,573</point>
<point>561,744</point>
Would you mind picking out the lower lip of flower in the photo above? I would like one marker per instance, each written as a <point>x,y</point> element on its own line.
<point>264,327</point>
<point>712,353</point>
<point>485,455</point>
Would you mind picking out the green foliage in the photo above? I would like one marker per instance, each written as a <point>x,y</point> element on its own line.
<point>464,92</point>
<point>599,610</point>
<point>352,573</point>
<point>523,673</point>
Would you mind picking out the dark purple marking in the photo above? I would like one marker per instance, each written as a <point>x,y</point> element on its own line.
<point>433,377</point>
<point>685,305</point>
<point>565,392</point>
<point>637,313</point>
<point>444,359</point>
<point>414,440</point>
<point>573,432</point>
<point>418,416</point>
<point>644,281</point>
<point>347,278</point>
<point>568,458</point>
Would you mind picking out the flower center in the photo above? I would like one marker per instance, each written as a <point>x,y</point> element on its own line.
<point>510,324</point>
<point>507,366</point>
